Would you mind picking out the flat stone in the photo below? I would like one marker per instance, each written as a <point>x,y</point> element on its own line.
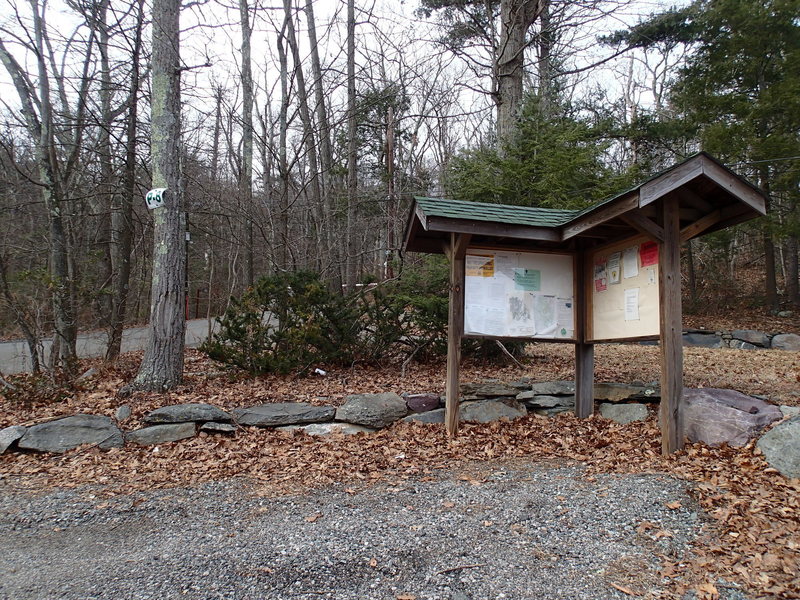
<point>704,340</point>
<point>422,402</point>
<point>9,435</point>
<point>217,427</point>
<point>432,416</point>
<point>486,411</point>
<point>319,429</point>
<point>714,416</point>
<point>740,345</point>
<point>553,388</point>
<point>283,413</point>
<point>786,341</point>
<point>123,413</point>
<point>624,413</point>
<point>751,336</point>
<point>789,411</point>
<point>547,401</point>
<point>70,432</point>
<point>372,410</point>
<point>622,392</point>
<point>189,412</point>
<point>161,434</point>
<point>489,389</point>
<point>781,447</point>
<point>552,412</point>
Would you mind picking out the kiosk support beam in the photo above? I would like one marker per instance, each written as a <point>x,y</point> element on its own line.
<point>671,411</point>
<point>456,252</point>
<point>584,353</point>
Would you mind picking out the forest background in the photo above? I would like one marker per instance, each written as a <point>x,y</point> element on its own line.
<point>308,127</point>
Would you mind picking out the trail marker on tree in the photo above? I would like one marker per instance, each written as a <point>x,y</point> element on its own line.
<point>608,273</point>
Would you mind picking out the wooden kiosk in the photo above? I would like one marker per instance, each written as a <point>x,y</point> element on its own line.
<point>609,273</point>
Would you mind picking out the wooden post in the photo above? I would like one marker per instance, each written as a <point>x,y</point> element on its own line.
<point>455,328</point>
<point>671,413</point>
<point>584,353</point>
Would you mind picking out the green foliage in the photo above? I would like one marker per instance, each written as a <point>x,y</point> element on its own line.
<point>291,322</point>
<point>555,160</point>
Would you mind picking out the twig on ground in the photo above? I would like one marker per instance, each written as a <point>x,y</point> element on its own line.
<point>461,568</point>
<point>507,353</point>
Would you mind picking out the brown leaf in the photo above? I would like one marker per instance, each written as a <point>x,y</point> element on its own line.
<point>313,518</point>
<point>625,590</point>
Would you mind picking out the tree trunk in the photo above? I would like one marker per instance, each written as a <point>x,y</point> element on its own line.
<point>122,209</point>
<point>282,238</point>
<point>162,365</point>
<point>351,273</point>
<point>792,271</point>
<point>246,170</point>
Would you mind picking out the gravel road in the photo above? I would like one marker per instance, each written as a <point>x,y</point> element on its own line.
<point>543,532</point>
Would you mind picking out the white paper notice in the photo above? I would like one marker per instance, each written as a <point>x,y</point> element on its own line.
<point>565,317</point>
<point>613,268</point>
<point>544,314</point>
<point>630,262</point>
<point>632,304</point>
<point>495,323</point>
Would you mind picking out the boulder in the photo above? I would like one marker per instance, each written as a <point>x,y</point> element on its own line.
<point>756,338</point>
<point>789,411</point>
<point>548,402</point>
<point>553,388</point>
<point>186,413</point>
<point>372,410</point>
<point>786,341</point>
<point>422,402</point>
<point>624,413</point>
<point>70,432</point>
<point>714,416</point>
<point>217,427</point>
<point>432,416</point>
<point>160,434</point>
<point>486,411</point>
<point>317,429</point>
<point>9,435</point>
<point>705,340</point>
<point>781,447</point>
<point>283,413</point>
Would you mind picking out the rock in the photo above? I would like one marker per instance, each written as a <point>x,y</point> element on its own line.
<point>552,412</point>
<point>70,432</point>
<point>553,388</point>
<point>160,434</point>
<point>283,413</point>
<point>87,375</point>
<point>756,338</point>
<point>617,392</point>
<point>740,345</point>
<point>705,340</point>
<point>422,402</point>
<point>781,447</point>
<point>432,416</point>
<point>489,389</point>
<point>217,427</point>
<point>714,416</point>
<point>486,411</point>
<point>548,402</point>
<point>785,314</point>
<point>789,411</point>
<point>786,341</point>
<point>123,413</point>
<point>185,413</point>
<point>9,435</point>
<point>327,428</point>
<point>372,410</point>
<point>624,413</point>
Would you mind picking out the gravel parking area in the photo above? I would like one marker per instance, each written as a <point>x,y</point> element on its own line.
<point>535,532</point>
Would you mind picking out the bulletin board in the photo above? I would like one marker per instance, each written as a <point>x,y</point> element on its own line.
<point>624,291</point>
<point>519,294</point>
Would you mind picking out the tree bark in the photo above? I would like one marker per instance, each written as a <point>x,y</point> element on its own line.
<point>246,170</point>
<point>162,365</point>
<point>792,271</point>
<point>351,273</point>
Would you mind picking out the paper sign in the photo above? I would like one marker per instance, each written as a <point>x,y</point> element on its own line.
<point>632,304</point>
<point>648,254</point>
<point>480,265</point>
<point>630,262</point>
<point>529,280</point>
<point>155,198</point>
<point>600,279</point>
<point>565,316</point>
<point>613,268</point>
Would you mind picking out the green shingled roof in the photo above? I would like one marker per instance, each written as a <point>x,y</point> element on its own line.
<point>496,213</point>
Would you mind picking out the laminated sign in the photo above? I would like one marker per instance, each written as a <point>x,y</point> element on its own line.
<point>155,198</point>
